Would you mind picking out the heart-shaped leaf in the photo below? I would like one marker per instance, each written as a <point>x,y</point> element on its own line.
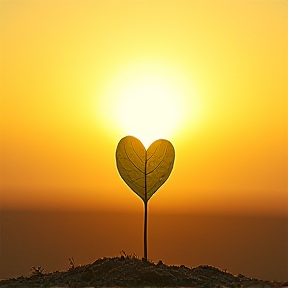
<point>144,171</point>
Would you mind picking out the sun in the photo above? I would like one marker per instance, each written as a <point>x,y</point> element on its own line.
<point>148,108</point>
<point>148,102</point>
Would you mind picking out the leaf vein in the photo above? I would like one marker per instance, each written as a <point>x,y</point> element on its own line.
<point>154,151</point>
<point>159,162</point>
<point>132,161</point>
<point>136,152</point>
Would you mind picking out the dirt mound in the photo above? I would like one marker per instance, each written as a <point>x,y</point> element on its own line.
<point>130,272</point>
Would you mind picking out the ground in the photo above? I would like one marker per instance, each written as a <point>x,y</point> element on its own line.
<point>129,271</point>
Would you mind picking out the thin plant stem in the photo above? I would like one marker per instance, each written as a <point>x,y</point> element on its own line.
<point>145,229</point>
<point>145,209</point>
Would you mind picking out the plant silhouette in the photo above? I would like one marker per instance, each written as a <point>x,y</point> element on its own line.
<point>144,171</point>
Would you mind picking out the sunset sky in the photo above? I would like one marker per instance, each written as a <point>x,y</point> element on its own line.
<point>209,76</point>
<point>64,67</point>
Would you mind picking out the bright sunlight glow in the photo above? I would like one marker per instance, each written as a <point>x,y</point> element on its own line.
<point>149,108</point>
<point>149,102</point>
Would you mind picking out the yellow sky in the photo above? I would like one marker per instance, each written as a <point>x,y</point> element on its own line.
<point>66,66</point>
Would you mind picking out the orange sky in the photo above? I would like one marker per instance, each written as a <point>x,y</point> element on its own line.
<point>66,67</point>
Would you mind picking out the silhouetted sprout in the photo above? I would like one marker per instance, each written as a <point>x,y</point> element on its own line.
<point>71,264</point>
<point>144,171</point>
<point>37,271</point>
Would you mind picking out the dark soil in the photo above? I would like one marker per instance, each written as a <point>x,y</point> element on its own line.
<point>133,272</point>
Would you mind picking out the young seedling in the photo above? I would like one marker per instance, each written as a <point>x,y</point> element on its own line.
<point>37,271</point>
<point>144,171</point>
<point>71,264</point>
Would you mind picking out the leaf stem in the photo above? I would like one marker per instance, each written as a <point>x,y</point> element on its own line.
<point>145,209</point>
<point>145,229</point>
